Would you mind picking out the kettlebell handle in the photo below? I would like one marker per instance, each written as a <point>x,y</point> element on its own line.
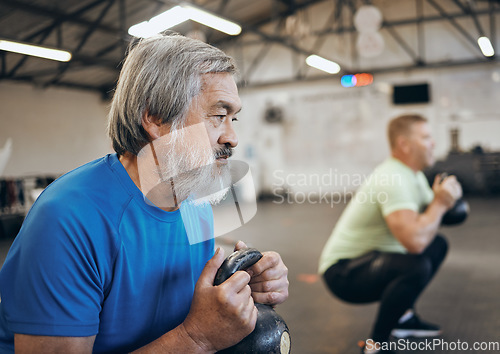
<point>238,260</point>
<point>271,334</point>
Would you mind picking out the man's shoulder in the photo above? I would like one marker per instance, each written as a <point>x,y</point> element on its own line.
<point>88,188</point>
<point>392,165</point>
<point>393,170</point>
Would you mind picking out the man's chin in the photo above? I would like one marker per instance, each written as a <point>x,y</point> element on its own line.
<point>212,199</point>
<point>221,161</point>
<point>214,191</point>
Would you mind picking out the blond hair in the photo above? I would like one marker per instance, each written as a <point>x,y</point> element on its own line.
<point>402,126</point>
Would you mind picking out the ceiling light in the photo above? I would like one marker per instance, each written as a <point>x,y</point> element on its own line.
<point>179,14</point>
<point>212,21</point>
<point>323,64</point>
<point>159,23</point>
<point>486,47</point>
<point>35,50</point>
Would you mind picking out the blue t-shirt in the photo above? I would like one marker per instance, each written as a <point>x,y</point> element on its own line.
<point>93,258</point>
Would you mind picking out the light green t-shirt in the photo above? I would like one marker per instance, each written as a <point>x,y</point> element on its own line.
<point>362,228</point>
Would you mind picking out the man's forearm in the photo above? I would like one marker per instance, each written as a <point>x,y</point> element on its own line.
<point>428,224</point>
<point>176,341</point>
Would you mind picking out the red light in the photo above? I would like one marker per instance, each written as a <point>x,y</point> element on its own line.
<point>363,79</point>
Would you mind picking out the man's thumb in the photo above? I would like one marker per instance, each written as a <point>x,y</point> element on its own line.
<point>437,180</point>
<point>240,245</point>
<point>208,274</point>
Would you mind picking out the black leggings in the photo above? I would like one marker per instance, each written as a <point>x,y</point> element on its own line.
<point>395,279</point>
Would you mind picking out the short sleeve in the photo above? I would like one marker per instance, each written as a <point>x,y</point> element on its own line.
<point>428,193</point>
<point>50,284</point>
<point>397,195</point>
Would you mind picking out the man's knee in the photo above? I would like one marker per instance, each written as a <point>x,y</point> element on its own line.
<point>438,249</point>
<point>420,272</point>
<point>442,243</point>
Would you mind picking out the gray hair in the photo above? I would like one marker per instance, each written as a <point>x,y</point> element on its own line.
<point>161,75</point>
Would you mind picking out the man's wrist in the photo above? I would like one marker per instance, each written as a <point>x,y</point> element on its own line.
<point>440,206</point>
<point>175,341</point>
<point>194,339</point>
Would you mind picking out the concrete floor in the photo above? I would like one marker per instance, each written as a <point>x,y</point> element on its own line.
<point>463,298</point>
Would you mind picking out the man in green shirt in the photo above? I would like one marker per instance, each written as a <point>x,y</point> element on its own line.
<point>385,245</point>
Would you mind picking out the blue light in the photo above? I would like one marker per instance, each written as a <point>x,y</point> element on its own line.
<point>348,81</point>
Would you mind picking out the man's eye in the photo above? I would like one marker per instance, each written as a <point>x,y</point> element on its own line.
<point>235,119</point>
<point>220,117</point>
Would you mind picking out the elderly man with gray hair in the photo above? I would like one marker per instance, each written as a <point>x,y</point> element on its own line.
<point>103,262</point>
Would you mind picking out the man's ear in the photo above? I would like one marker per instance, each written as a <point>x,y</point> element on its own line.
<point>403,143</point>
<point>151,125</point>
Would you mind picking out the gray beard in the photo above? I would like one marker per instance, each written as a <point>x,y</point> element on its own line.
<point>193,171</point>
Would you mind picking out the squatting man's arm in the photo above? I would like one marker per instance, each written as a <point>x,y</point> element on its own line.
<point>416,231</point>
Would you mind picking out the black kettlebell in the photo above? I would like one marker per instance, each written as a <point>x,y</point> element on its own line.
<point>271,334</point>
<point>458,213</point>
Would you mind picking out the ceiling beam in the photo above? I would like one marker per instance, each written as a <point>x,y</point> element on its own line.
<point>335,17</point>
<point>4,64</point>
<point>60,16</point>
<point>418,59</point>
<point>454,23</point>
<point>420,30</point>
<point>25,58</point>
<point>381,70</point>
<point>404,45</point>
<point>493,26</point>
<point>47,30</point>
<point>268,20</point>
<point>257,60</point>
<point>102,89</point>
<point>282,41</point>
<point>278,39</point>
<point>411,21</point>
<point>470,11</point>
<point>287,12</point>
<point>87,60</point>
<point>91,29</point>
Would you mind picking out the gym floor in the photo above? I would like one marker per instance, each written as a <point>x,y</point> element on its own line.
<point>463,298</point>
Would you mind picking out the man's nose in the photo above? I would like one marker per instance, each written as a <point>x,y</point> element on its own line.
<point>228,135</point>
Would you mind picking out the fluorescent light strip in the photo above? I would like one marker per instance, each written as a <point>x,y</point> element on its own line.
<point>179,14</point>
<point>323,64</point>
<point>159,23</point>
<point>213,21</point>
<point>486,47</point>
<point>34,50</point>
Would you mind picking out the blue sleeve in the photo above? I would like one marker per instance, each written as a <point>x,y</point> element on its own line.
<point>51,283</point>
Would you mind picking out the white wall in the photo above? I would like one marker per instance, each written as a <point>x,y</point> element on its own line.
<point>52,130</point>
<point>331,130</point>
<point>327,129</point>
